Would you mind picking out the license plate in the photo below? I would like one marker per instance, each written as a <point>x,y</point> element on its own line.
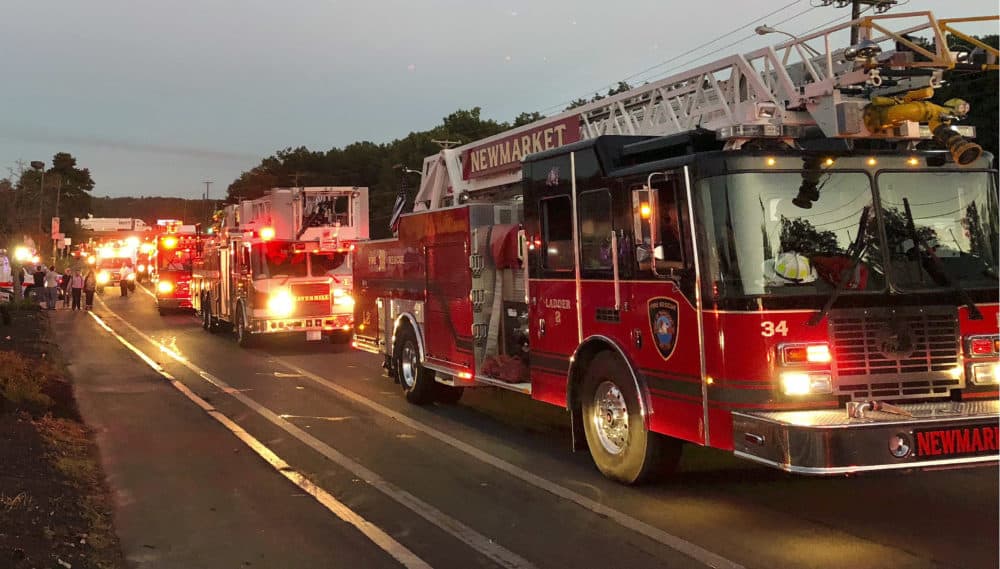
<point>968,440</point>
<point>313,335</point>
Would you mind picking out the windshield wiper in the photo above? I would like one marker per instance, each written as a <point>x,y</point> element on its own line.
<point>939,273</point>
<point>857,251</point>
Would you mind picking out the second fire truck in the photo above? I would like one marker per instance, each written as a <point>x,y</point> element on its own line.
<point>759,255</point>
<point>281,264</point>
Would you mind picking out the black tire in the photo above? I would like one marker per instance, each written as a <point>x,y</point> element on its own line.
<point>447,394</point>
<point>417,382</point>
<point>631,455</point>
<point>243,336</point>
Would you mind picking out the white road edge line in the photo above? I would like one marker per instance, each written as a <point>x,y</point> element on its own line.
<point>146,290</point>
<point>381,539</point>
<point>676,543</point>
<point>484,545</point>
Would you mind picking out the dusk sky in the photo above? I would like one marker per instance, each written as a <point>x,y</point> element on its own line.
<point>156,97</point>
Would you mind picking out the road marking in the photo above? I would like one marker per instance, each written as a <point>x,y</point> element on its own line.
<point>484,545</point>
<point>145,290</point>
<point>669,540</point>
<point>313,417</point>
<point>674,542</point>
<point>383,540</point>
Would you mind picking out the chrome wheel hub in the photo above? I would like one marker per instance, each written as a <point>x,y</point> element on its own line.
<point>610,417</point>
<point>408,363</point>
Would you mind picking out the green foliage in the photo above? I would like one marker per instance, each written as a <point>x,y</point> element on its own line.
<point>26,207</point>
<point>367,163</point>
<point>801,236</point>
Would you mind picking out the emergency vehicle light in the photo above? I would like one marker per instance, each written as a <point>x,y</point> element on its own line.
<point>986,374</point>
<point>792,354</point>
<point>170,242</point>
<point>980,346</point>
<point>803,383</point>
<point>164,287</point>
<point>266,233</point>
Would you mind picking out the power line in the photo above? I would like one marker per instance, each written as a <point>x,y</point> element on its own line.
<point>693,50</point>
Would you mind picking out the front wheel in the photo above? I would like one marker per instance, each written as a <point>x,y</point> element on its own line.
<point>619,443</point>
<point>417,382</point>
<point>243,336</point>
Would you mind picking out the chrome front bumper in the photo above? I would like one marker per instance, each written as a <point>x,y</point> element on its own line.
<point>828,442</point>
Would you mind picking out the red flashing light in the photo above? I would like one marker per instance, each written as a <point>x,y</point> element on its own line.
<point>266,233</point>
<point>984,346</point>
<point>806,354</point>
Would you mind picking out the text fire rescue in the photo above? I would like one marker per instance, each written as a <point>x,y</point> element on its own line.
<point>506,153</point>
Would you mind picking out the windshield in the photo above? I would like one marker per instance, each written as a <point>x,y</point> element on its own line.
<point>327,264</point>
<point>278,259</point>
<point>761,239</point>
<point>954,214</point>
<point>174,260</point>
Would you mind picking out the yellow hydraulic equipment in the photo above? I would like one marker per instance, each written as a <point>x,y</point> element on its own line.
<point>888,112</point>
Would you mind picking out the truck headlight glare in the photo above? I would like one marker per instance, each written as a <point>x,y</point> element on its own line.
<point>986,374</point>
<point>806,383</point>
<point>280,303</point>
<point>103,278</point>
<point>164,287</point>
<point>343,300</point>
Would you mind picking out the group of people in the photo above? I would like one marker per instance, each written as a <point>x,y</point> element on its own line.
<point>46,284</point>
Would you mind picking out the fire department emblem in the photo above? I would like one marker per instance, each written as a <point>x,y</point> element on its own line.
<point>663,324</point>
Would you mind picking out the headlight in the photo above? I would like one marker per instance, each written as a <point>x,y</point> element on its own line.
<point>164,287</point>
<point>806,383</point>
<point>130,277</point>
<point>986,374</point>
<point>343,300</point>
<point>142,268</point>
<point>103,277</point>
<point>280,303</point>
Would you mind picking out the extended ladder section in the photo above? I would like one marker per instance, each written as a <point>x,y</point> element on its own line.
<point>875,89</point>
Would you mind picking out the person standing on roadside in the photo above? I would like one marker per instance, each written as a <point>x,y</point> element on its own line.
<point>51,287</point>
<point>76,288</point>
<point>90,287</point>
<point>38,277</point>
<point>64,285</point>
<point>123,275</point>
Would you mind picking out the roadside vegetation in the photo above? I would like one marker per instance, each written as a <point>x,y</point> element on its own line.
<point>55,510</point>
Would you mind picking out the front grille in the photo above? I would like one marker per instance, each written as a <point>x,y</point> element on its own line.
<point>896,353</point>
<point>314,306</point>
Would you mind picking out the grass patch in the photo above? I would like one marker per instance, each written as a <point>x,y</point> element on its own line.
<point>23,381</point>
<point>19,501</point>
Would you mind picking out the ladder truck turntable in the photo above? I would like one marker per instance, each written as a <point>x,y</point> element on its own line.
<point>758,255</point>
<point>281,264</point>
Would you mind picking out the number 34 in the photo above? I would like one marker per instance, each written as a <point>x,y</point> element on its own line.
<point>769,328</point>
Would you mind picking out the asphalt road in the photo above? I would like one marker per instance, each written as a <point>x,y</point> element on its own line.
<point>485,483</point>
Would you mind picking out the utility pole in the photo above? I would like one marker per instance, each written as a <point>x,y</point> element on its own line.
<point>55,245</point>
<point>40,167</point>
<point>208,186</point>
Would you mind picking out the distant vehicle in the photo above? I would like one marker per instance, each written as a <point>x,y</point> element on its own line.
<point>280,264</point>
<point>108,272</point>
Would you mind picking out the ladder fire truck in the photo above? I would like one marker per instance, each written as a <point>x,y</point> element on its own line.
<point>281,264</point>
<point>790,254</point>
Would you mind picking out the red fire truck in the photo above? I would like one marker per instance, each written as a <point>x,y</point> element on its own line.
<point>758,255</point>
<point>281,264</point>
<point>177,248</point>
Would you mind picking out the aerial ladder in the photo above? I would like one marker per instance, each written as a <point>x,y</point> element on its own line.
<point>878,88</point>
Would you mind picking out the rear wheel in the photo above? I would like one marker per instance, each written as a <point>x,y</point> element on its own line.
<point>417,382</point>
<point>243,336</point>
<point>619,443</point>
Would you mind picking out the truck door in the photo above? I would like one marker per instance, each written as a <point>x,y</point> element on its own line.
<point>225,274</point>
<point>659,316</point>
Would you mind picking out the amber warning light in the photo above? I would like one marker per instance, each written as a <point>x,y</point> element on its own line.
<point>267,233</point>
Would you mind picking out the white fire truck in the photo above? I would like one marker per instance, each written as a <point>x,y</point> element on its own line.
<point>790,254</point>
<point>281,264</point>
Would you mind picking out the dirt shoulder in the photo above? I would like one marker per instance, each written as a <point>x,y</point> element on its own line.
<point>55,509</point>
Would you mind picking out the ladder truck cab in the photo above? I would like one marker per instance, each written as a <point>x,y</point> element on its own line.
<point>177,248</point>
<point>789,254</point>
<point>281,264</point>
